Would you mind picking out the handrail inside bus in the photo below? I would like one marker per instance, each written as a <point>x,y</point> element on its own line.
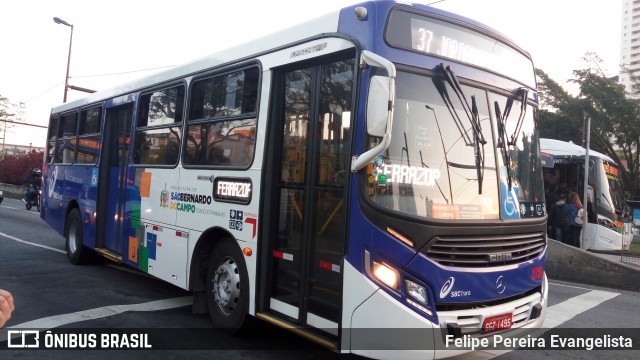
<point>359,162</point>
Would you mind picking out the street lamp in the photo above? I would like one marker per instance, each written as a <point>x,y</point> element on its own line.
<point>57,20</point>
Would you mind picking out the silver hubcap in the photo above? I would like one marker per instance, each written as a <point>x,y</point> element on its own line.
<point>226,286</point>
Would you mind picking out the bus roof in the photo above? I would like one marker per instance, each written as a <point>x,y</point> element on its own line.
<point>559,148</point>
<point>324,24</point>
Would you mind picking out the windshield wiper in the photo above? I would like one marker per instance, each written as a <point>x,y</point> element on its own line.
<point>503,140</point>
<point>472,115</point>
<point>502,136</point>
<point>524,93</point>
<point>444,94</point>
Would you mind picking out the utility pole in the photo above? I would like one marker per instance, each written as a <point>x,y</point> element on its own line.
<point>585,222</point>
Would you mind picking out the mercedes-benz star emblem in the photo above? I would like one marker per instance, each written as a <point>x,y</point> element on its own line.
<point>501,284</point>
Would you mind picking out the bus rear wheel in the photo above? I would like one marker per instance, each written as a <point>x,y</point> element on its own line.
<point>76,252</point>
<point>227,288</point>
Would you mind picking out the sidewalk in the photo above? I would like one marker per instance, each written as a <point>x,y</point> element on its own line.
<point>627,260</point>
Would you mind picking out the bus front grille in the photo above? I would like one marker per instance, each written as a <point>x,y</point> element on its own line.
<point>486,251</point>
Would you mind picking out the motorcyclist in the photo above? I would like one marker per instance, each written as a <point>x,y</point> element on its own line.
<point>34,181</point>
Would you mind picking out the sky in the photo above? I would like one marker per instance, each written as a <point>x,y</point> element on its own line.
<point>115,41</point>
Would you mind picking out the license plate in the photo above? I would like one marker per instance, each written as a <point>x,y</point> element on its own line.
<point>496,323</point>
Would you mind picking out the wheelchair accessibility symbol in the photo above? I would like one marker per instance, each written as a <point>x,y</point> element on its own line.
<point>509,205</point>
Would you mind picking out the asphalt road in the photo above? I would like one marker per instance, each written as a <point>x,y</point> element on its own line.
<point>50,293</point>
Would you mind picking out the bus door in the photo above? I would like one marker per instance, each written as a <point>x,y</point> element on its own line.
<point>307,234</point>
<point>112,180</point>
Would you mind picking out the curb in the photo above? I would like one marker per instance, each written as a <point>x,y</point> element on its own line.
<point>568,263</point>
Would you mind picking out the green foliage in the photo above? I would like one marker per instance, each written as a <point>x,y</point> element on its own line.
<point>615,119</point>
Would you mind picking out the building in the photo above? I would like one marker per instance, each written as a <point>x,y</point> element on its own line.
<point>630,44</point>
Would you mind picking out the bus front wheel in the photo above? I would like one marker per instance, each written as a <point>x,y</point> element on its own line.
<point>76,253</point>
<point>227,287</point>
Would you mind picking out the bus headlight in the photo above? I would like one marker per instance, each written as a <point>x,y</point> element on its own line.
<point>385,274</point>
<point>603,221</point>
<point>416,292</point>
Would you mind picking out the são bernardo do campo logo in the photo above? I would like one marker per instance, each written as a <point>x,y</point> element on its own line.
<point>180,201</point>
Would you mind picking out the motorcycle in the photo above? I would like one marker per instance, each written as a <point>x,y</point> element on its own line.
<point>35,200</point>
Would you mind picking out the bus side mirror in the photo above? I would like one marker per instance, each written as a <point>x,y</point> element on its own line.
<point>381,98</point>
<point>378,106</point>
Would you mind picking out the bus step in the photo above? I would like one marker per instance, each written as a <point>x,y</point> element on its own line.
<point>320,340</point>
<point>109,254</point>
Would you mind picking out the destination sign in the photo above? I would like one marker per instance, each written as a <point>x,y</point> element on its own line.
<point>611,170</point>
<point>447,40</point>
<point>232,190</point>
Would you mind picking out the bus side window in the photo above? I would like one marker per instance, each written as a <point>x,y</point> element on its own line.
<point>222,119</point>
<point>159,127</point>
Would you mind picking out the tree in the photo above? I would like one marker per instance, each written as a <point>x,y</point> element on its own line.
<point>560,113</point>
<point>615,119</point>
<point>9,112</point>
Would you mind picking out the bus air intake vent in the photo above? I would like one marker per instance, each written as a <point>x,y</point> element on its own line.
<point>485,251</point>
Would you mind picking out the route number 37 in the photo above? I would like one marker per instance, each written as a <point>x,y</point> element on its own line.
<point>424,41</point>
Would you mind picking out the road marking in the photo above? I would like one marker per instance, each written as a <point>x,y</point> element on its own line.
<point>24,210</point>
<point>556,315</point>
<point>567,310</point>
<point>31,243</point>
<point>570,286</point>
<point>99,313</point>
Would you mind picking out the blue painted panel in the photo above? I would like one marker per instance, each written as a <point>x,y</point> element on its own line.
<point>460,285</point>
<point>152,241</point>
<point>110,212</point>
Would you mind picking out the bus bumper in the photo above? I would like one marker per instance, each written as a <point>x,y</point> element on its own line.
<point>383,328</point>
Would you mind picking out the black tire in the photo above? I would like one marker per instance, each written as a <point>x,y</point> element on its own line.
<point>228,288</point>
<point>28,206</point>
<point>76,253</point>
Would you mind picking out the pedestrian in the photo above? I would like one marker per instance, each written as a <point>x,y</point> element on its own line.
<point>574,211</point>
<point>551,198</point>
<point>6,306</point>
<point>563,189</point>
<point>557,219</point>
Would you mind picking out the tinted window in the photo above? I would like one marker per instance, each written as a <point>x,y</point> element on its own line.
<point>159,129</point>
<point>89,136</point>
<point>51,138</point>
<point>66,139</point>
<point>222,119</point>
<point>230,94</point>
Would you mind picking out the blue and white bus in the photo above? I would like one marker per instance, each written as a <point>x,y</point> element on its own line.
<point>376,168</point>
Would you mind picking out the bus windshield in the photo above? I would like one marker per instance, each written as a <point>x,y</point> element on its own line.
<point>441,162</point>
